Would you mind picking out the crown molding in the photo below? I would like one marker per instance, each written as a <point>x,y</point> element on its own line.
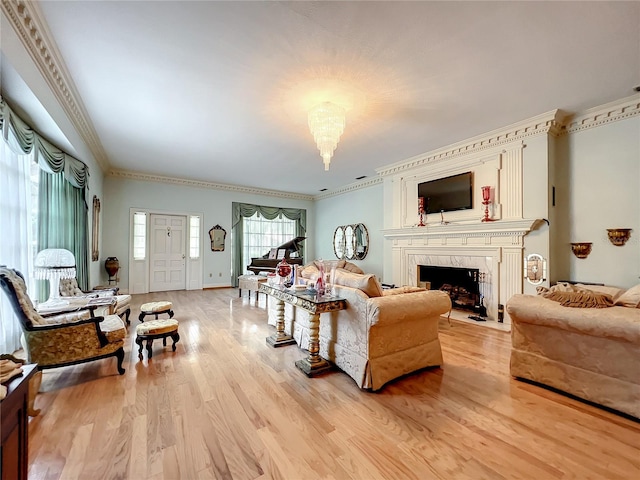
<point>27,20</point>
<point>350,188</point>
<point>145,177</point>
<point>545,123</point>
<point>610,112</point>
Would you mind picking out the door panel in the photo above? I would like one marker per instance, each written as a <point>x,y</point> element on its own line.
<point>167,252</point>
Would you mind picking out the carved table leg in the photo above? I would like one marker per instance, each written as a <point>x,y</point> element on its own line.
<point>280,338</point>
<point>34,387</point>
<point>139,342</point>
<point>314,364</point>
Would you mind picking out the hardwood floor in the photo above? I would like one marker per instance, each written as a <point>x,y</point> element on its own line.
<point>226,405</point>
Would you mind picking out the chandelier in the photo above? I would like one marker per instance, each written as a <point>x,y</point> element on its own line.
<point>326,122</point>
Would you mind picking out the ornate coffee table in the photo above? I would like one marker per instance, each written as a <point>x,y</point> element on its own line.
<point>314,364</point>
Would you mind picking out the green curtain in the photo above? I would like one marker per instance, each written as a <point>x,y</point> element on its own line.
<point>62,223</point>
<point>240,210</point>
<point>48,156</point>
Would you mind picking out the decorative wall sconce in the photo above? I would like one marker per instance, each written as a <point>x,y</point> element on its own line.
<point>581,249</point>
<point>535,269</point>
<point>618,236</point>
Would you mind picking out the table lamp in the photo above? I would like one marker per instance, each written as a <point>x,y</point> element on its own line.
<point>53,264</point>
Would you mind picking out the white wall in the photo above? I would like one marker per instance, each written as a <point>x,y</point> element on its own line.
<point>603,164</point>
<point>214,205</point>
<point>359,206</point>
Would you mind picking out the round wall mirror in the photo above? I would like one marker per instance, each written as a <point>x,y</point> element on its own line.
<point>338,242</point>
<point>361,241</point>
<point>349,240</point>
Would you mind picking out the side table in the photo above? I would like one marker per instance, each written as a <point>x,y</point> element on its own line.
<point>14,428</point>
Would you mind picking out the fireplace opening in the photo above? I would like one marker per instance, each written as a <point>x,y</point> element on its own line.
<point>462,285</point>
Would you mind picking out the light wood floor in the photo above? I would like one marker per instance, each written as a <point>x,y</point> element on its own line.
<point>226,405</point>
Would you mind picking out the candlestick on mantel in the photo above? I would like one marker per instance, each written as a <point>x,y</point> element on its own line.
<point>421,212</point>
<point>486,201</point>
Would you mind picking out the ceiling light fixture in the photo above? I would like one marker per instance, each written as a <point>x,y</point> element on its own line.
<point>326,122</point>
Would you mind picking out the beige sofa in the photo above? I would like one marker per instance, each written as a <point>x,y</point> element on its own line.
<point>381,335</point>
<point>592,353</point>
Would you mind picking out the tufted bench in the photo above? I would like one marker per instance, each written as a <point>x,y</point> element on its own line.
<point>250,282</point>
<point>155,308</point>
<point>153,329</point>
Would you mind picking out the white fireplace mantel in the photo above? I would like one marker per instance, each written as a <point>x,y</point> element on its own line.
<point>462,230</point>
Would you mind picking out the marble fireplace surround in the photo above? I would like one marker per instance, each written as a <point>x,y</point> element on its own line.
<point>494,248</point>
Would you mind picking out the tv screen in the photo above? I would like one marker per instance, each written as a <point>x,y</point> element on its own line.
<point>447,194</point>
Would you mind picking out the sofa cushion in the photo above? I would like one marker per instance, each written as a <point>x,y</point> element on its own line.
<point>614,292</point>
<point>630,298</point>
<point>368,284</point>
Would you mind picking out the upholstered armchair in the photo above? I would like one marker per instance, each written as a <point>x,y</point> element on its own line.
<point>69,288</point>
<point>62,340</point>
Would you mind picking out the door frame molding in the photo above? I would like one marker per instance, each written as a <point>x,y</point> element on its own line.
<point>193,268</point>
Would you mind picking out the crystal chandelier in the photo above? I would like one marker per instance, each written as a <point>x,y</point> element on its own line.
<point>326,122</point>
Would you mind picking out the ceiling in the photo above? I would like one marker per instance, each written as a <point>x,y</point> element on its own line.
<point>219,91</point>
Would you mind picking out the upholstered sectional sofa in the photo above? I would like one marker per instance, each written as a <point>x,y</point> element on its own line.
<point>381,335</point>
<point>592,353</point>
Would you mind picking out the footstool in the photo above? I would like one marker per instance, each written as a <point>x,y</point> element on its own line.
<point>155,308</point>
<point>250,282</point>
<point>153,329</point>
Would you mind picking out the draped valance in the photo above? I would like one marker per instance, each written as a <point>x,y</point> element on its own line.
<point>24,139</point>
<point>240,210</point>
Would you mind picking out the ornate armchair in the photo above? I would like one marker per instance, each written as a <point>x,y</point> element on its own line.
<point>69,288</point>
<point>63,339</point>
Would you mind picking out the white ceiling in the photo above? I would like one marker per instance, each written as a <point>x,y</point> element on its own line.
<point>218,91</point>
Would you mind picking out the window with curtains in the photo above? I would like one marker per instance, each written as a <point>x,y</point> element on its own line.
<point>18,215</point>
<point>261,234</point>
<point>256,244</point>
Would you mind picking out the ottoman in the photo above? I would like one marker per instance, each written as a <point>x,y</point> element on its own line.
<point>250,282</point>
<point>155,308</point>
<point>153,329</point>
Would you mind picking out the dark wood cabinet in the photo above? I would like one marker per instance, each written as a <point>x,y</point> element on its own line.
<point>14,429</point>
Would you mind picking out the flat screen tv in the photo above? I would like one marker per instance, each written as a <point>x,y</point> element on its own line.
<point>447,194</point>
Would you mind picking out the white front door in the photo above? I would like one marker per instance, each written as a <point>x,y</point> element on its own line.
<point>167,253</point>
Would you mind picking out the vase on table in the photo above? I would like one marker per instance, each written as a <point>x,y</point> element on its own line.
<point>283,270</point>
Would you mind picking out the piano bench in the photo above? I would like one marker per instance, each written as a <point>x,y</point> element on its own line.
<point>250,282</point>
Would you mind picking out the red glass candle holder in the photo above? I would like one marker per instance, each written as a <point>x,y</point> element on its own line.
<point>486,201</point>
<point>421,212</point>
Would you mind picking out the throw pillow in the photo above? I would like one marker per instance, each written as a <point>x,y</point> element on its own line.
<point>350,267</point>
<point>580,299</point>
<point>630,298</point>
<point>309,272</point>
<point>367,283</point>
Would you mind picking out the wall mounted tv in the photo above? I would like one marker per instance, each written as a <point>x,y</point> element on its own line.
<point>447,194</point>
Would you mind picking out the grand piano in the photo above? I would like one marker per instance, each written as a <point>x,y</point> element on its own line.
<point>293,254</point>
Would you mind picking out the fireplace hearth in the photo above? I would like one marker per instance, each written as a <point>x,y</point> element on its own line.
<point>462,285</point>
